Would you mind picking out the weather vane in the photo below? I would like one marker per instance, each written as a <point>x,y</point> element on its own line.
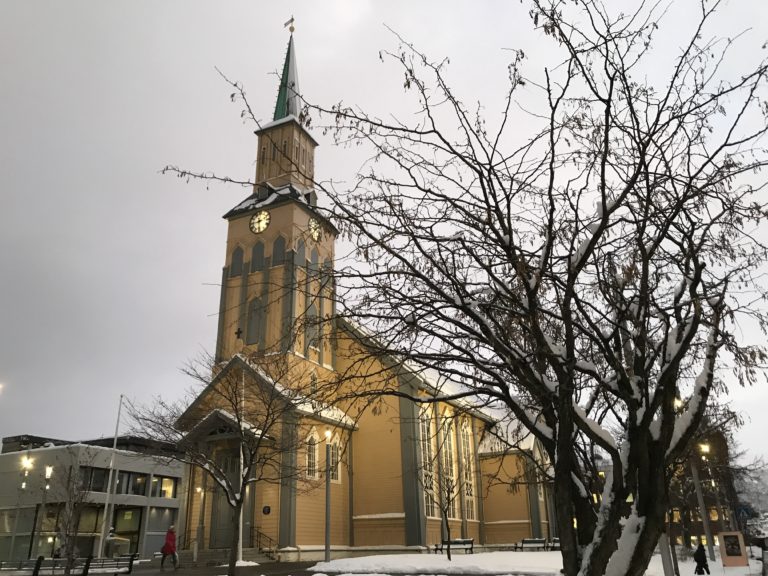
<point>290,24</point>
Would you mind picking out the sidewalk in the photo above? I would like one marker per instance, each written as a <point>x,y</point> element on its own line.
<point>267,569</point>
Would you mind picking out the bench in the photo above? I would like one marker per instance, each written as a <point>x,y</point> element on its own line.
<point>116,565</point>
<point>531,544</point>
<point>42,566</point>
<point>466,544</point>
<point>554,544</point>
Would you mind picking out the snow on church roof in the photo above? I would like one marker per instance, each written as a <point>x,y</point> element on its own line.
<point>301,403</point>
<point>265,195</point>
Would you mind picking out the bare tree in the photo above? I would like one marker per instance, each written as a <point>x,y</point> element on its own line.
<point>586,278</point>
<point>238,425</point>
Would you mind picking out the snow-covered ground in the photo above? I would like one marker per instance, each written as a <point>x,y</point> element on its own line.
<point>497,563</point>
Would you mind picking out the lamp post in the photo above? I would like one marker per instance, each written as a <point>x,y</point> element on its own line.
<point>327,495</point>
<point>103,534</point>
<point>704,448</point>
<point>200,521</point>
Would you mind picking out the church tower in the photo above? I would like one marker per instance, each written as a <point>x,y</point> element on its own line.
<point>276,281</point>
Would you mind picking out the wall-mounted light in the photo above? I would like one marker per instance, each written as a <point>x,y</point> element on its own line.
<point>26,462</point>
<point>48,472</point>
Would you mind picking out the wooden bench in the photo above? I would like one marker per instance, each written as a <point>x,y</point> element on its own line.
<point>466,544</point>
<point>116,565</point>
<point>531,544</point>
<point>42,566</point>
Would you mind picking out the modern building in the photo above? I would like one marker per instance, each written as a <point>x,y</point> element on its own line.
<point>403,474</point>
<point>703,491</point>
<point>51,490</point>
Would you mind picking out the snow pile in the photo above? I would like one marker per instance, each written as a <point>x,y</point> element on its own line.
<point>543,563</point>
<point>501,563</point>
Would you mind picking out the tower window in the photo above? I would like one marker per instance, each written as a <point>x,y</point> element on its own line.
<point>274,151</point>
<point>253,333</point>
<point>257,257</point>
<point>312,333</point>
<point>236,265</point>
<point>301,253</point>
<point>278,251</point>
<point>263,154</point>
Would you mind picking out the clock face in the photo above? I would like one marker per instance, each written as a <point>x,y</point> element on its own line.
<point>314,229</point>
<point>259,222</point>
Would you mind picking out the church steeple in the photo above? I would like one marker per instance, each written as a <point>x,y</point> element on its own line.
<point>279,246</point>
<point>286,149</point>
<point>288,92</point>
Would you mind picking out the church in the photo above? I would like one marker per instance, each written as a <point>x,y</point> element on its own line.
<point>383,472</point>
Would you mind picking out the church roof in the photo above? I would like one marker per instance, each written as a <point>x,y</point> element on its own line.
<point>266,196</point>
<point>288,93</point>
<point>297,401</point>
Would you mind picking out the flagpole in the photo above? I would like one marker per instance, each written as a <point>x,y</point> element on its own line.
<point>102,535</point>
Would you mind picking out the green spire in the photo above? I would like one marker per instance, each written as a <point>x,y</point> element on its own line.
<point>288,94</point>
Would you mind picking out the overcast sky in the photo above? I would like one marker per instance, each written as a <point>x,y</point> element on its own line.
<point>108,269</point>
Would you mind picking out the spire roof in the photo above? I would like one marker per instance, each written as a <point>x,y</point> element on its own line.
<point>288,93</point>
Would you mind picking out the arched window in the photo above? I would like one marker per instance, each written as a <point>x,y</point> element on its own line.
<point>278,251</point>
<point>468,462</point>
<point>301,253</point>
<point>335,458</point>
<point>257,257</point>
<point>426,429</point>
<point>313,260</point>
<point>449,490</point>
<point>236,264</point>
<point>313,327</point>
<point>325,274</point>
<point>253,333</point>
<point>311,469</point>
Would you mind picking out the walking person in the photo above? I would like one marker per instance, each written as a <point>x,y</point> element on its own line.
<point>169,549</point>
<point>700,556</point>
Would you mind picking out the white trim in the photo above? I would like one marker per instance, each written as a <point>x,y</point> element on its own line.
<point>384,516</point>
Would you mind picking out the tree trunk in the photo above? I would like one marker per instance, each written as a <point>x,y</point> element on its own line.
<point>235,539</point>
<point>447,533</point>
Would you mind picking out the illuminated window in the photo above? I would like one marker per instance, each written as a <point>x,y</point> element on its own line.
<point>163,487</point>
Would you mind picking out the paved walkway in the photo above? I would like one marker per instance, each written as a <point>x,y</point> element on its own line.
<point>267,568</point>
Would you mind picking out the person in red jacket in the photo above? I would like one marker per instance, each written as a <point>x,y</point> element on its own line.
<point>169,549</point>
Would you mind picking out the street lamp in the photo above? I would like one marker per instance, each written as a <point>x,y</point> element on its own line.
<point>704,449</point>
<point>327,495</point>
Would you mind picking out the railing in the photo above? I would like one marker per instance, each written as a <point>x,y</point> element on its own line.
<point>265,544</point>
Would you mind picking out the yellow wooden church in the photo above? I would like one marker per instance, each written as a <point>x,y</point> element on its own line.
<point>400,474</point>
